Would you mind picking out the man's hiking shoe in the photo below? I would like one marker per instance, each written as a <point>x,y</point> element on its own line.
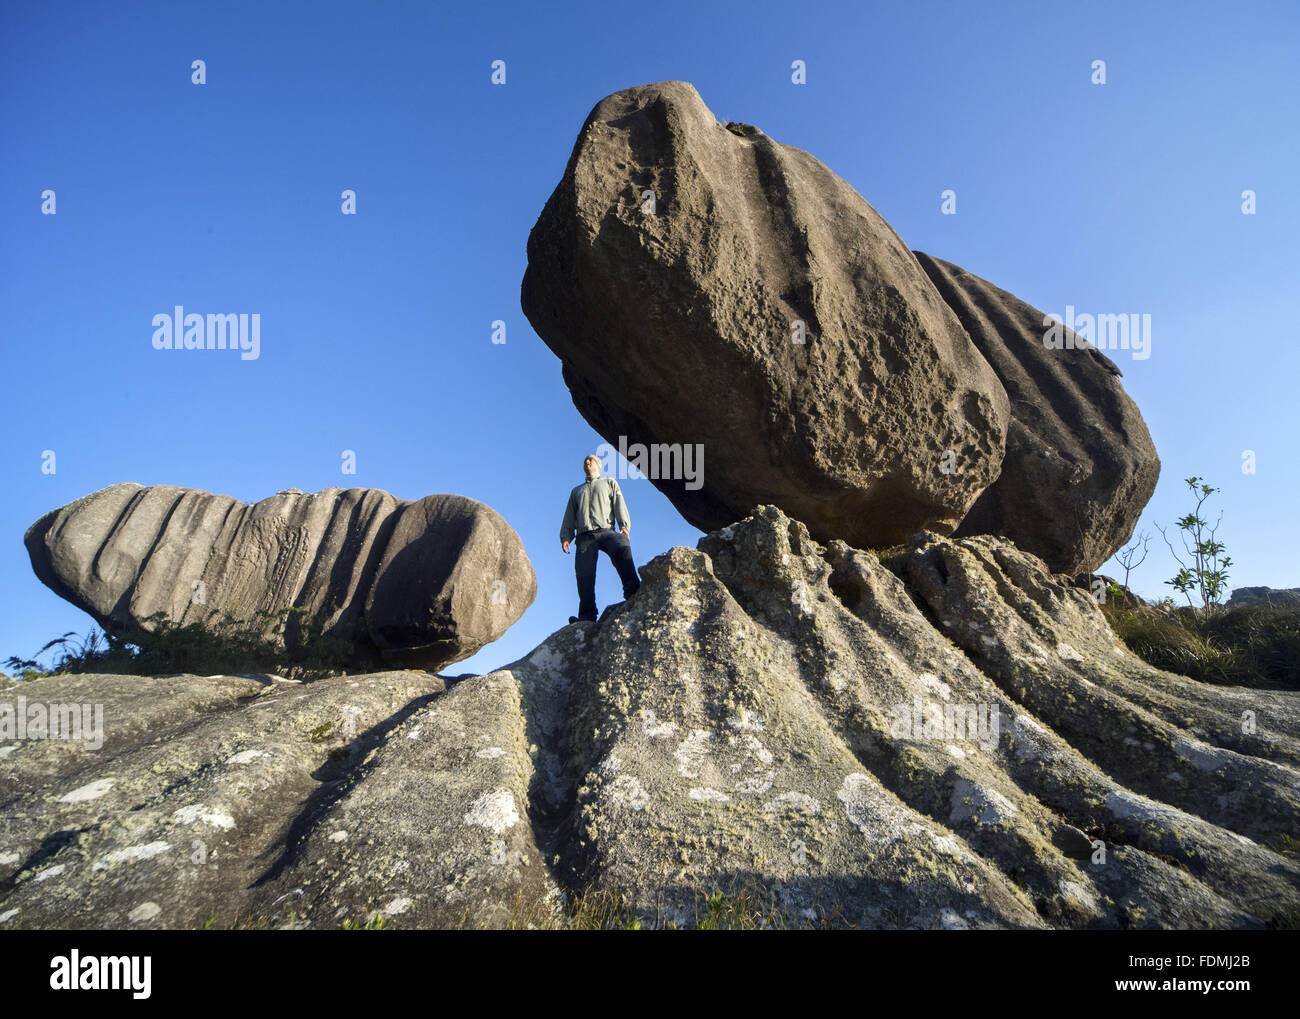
<point>573,619</point>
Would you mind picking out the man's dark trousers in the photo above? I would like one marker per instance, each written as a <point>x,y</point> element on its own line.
<point>616,545</point>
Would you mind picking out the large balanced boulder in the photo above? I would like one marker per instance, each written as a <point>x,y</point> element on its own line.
<point>421,584</point>
<point>952,738</point>
<point>706,286</point>
<point>1080,464</point>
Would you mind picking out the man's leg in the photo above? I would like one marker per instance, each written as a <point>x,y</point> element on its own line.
<point>584,565</point>
<point>618,546</point>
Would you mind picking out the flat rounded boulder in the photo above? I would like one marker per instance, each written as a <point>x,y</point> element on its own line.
<point>421,584</point>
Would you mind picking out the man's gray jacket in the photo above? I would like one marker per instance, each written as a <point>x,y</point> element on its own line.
<point>596,503</point>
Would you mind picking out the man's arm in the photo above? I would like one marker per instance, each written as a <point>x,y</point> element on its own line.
<point>566,527</point>
<point>619,507</point>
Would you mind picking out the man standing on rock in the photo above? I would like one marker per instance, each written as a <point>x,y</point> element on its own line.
<point>593,510</point>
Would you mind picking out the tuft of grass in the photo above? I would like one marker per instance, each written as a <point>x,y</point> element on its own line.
<point>1255,645</point>
<point>266,923</point>
<point>322,731</point>
<point>747,906</point>
<point>375,923</point>
<point>225,645</point>
<point>1283,843</point>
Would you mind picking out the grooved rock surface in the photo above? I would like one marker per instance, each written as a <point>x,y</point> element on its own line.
<point>418,584</point>
<point>953,738</point>
<point>676,326</point>
<point>1080,464</point>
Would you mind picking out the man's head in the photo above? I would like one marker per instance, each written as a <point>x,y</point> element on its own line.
<point>591,466</point>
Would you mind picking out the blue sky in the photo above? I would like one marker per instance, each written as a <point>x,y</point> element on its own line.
<point>376,328</point>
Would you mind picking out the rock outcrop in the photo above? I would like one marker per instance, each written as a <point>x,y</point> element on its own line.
<point>1276,597</point>
<point>704,285</point>
<point>1080,464</point>
<point>953,738</point>
<point>417,584</point>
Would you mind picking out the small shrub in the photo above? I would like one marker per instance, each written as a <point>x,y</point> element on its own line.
<point>1205,572</point>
